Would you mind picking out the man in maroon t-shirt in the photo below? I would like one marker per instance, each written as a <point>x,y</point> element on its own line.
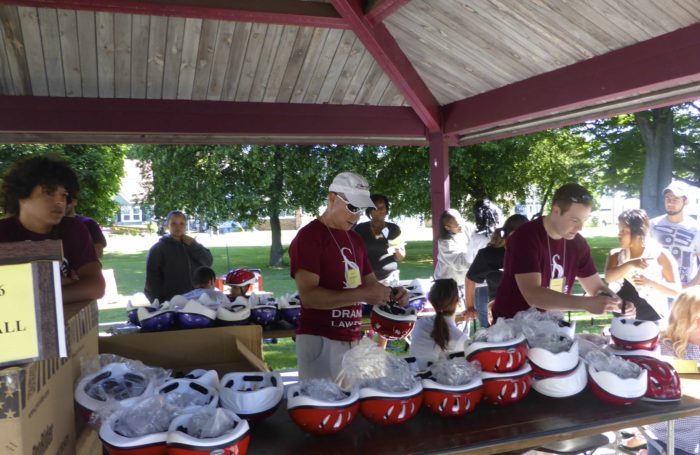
<point>329,264</point>
<point>545,256</point>
<point>34,194</point>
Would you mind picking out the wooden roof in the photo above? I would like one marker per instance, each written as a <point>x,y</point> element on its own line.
<point>383,71</point>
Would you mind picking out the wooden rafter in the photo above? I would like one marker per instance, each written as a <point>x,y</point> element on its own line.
<point>381,9</point>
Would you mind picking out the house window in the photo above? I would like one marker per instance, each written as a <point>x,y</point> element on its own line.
<point>126,213</point>
<point>136,213</point>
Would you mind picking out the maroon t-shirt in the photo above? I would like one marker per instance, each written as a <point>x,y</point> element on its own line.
<point>78,249</point>
<point>530,250</point>
<point>328,253</point>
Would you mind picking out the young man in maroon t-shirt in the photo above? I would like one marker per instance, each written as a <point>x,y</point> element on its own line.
<point>545,256</point>
<point>329,264</point>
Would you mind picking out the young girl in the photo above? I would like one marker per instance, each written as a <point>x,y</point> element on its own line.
<point>438,335</point>
<point>642,267</point>
<point>681,339</point>
<point>453,254</point>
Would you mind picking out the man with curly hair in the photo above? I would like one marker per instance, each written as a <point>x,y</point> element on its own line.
<point>34,195</point>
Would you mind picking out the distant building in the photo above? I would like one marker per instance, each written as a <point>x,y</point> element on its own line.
<point>131,192</point>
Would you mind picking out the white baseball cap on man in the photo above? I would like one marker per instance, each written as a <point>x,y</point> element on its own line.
<point>678,188</point>
<point>353,188</point>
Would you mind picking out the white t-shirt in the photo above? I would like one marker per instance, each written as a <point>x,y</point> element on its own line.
<point>422,344</point>
<point>452,258</point>
<point>682,241</point>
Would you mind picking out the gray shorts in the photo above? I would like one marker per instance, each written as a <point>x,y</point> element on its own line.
<point>320,357</point>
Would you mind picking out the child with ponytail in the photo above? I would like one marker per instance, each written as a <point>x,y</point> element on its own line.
<point>435,336</point>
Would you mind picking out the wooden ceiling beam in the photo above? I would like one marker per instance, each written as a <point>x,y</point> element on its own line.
<point>32,115</point>
<point>387,53</point>
<point>285,12</point>
<point>651,66</point>
<point>381,9</point>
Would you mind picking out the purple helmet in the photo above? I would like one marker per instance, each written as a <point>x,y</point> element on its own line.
<point>264,313</point>
<point>152,320</point>
<point>290,309</point>
<point>417,303</point>
<point>196,316</point>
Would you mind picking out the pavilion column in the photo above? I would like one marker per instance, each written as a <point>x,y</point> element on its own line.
<point>439,183</point>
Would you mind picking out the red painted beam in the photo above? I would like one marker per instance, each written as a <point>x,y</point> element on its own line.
<point>383,9</point>
<point>386,51</point>
<point>53,115</point>
<point>285,12</point>
<point>657,64</point>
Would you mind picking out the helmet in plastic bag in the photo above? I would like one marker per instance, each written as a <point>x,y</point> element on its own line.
<point>157,321</point>
<point>253,396</point>
<point>265,312</point>
<point>389,408</point>
<point>320,416</point>
<point>290,309</point>
<point>393,322</point>
<point>188,392</point>
<point>561,386</point>
<point>609,387</point>
<point>233,441</point>
<point>240,277</point>
<point>503,389</point>
<point>196,316</point>
<point>631,334</point>
<point>114,381</point>
<point>117,444</point>
<point>452,400</point>
<point>546,363</point>
<point>498,357</point>
<point>207,377</point>
<point>234,313</point>
<point>664,384</point>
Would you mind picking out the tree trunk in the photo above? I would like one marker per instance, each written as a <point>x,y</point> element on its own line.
<point>276,192</point>
<point>656,129</point>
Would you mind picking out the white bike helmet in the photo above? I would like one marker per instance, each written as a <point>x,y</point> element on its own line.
<point>545,363</point>
<point>613,389</point>
<point>187,392</point>
<point>507,388</point>
<point>234,313</point>
<point>253,396</point>
<point>562,386</point>
<point>233,441</point>
<point>634,334</point>
<point>501,357</point>
<point>118,444</point>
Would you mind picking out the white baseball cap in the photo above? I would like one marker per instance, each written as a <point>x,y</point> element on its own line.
<point>353,187</point>
<point>678,188</point>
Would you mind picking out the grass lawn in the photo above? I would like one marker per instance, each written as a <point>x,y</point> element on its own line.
<point>129,270</point>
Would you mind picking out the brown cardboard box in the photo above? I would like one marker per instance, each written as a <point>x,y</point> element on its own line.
<point>36,399</point>
<point>224,349</point>
<point>81,333</point>
<point>88,443</point>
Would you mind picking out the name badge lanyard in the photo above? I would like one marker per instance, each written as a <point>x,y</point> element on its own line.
<point>556,284</point>
<point>352,270</point>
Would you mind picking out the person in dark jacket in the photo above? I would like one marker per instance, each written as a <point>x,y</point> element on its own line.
<point>173,259</point>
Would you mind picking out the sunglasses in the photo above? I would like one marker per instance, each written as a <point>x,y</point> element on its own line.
<point>351,208</point>
<point>582,199</point>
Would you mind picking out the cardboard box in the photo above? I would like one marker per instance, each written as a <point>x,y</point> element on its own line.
<point>36,399</point>
<point>81,333</point>
<point>88,443</point>
<point>224,349</point>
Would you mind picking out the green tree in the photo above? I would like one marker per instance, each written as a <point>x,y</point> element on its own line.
<point>99,169</point>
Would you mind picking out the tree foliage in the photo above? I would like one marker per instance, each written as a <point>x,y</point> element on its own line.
<point>99,169</point>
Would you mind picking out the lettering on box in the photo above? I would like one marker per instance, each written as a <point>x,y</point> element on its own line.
<point>41,447</point>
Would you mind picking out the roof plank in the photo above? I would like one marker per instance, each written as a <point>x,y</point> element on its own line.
<point>173,57</point>
<point>222,52</point>
<point>140,32</point>
<point>122,55</point>
<point>235,60</point>
<point>188,65</point>
<point>157,38</point>
<point>51,44</point>
<point>105,54</point>
<point>29,23</point>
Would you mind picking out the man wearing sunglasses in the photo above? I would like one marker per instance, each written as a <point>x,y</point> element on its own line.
<point>545,256</point>
<point>330,266</point>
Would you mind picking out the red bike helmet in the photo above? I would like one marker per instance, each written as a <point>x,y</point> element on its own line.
<point>252,396</point>
<point>389,408</point>
<point>233,441</point>
<point>393,322</point>
<point>615,390</point>
<point>507,388</point>
<point>631,334</point>
<point>240,277</point>
<point>499,357</point>
<point>320,416</point>
<point>452,400</point>
<point>664,384</point>
<point>562,386</point>
<point>546,364</point>
<point>118,444</point>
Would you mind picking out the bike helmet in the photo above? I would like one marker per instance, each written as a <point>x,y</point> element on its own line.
<point>389,408</point>
<point>209,378</point>
<point>393,322</point>
<point>663,384</point>
<point>417,303</point>
<point>452,400</point>
<point>263,313</point>
<point>118,444</point>
<point>177,302</point>
<point>194,315</point>
<point>188,392</point>
<point>158,320</point>
<point>253,396</point>
<point>499,357</point>
<point>132,313</point>
<point>321,416</point>
<point>240,277</point>
<point>233,441</point>
<point>290,309</point>
<point>631,334</point>
<point>628,354</point>
<point>546,364</point>
<point>564,385</point>
<point>234,313</point>
<point>507,388</point>
<point>114,381</point>
<point>613,389</point>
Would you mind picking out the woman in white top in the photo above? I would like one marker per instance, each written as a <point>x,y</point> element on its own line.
<point>453,253</point>
<point>641,263</point>
<point>436,336</point>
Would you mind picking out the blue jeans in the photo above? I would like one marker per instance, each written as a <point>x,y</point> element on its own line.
<point>652,450</point>
<point>481,302</point>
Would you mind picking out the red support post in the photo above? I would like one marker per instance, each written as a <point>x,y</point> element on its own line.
<point>439,183</point>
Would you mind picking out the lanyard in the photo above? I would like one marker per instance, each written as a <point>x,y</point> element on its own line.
<point>553,264</point>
